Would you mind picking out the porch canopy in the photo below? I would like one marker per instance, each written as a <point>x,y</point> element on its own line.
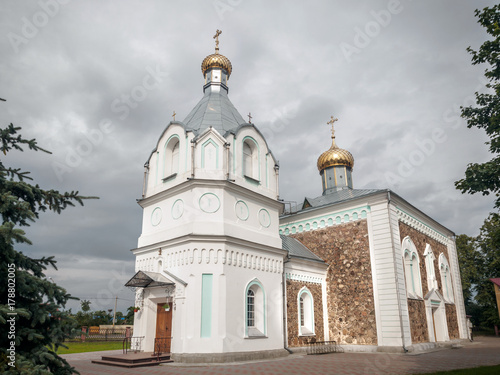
<point>146,279</point>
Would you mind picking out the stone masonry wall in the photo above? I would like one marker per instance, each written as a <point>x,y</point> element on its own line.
<point>351,309</point>
<point>418,321</point>
<point>420,240</point>
<point>452,320</point>
<point>292,314</point>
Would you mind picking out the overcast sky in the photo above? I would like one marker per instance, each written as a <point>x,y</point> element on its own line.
<point>96,83</point>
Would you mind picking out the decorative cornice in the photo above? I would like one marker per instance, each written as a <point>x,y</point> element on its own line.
<point>323,221</point>
<point>414,223</point>
<point>304,278</point>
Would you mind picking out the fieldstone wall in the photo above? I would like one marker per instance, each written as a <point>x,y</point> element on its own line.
<point>292,290</point>
<point>418,321</point>
<point>452,320</point>
<point>351,309</point>
<point>421,240</point>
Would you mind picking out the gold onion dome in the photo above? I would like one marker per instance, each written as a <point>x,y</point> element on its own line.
<point>216,60</point>
<point>335,155</point>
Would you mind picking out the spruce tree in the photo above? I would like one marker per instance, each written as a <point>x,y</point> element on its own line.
<point>33,323</point>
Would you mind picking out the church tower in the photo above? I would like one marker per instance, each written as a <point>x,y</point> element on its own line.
<point>209,261</point>
<point>335,166</point>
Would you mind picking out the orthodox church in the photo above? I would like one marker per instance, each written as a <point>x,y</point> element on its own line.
<point>224,274</point>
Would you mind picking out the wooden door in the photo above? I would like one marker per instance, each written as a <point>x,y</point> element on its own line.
<point>163,329</point>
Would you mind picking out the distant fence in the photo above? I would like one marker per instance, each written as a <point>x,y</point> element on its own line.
<point>102,334</point>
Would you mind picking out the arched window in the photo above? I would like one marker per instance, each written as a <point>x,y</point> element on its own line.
<point>429,267</point>
<point>444,269</point>
<point>255,310</point>
<point>250,308</point>
<point>250,159</point>
<point>171,158</point>
<point>412,269</point>
<point>175,158</point>
<point>306,312</point>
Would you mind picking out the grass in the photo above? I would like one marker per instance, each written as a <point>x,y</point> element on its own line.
<point>89,346</point>
<point>483,370</point>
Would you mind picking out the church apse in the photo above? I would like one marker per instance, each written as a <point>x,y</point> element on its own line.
<point>350,301</point>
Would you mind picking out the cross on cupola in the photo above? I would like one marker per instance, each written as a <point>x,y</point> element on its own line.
<point>173,115</point>
<point>249,118</point>
<point>331,122</point>
<point>216,37</point>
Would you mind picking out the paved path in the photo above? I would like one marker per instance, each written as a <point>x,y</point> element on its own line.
<point>485,351</point>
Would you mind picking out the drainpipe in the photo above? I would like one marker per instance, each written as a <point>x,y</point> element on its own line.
<point>277,174</point>
<point>285,328</point>
<point>226,145</point>
<point>146,170</point>
<point>192,157</point>
<point>396,274</point>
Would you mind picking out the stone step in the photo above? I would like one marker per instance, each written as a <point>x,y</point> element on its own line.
<point>129,364</point>
<point>136,359</point>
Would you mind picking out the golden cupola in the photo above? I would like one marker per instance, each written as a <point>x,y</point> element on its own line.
<point>216,60</point>
<point>335,166</point>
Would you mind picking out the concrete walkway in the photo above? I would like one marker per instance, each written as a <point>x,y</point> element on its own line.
<point>484,351</point>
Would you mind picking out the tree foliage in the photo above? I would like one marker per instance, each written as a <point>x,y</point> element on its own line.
<point>485,177</point>
<point>479,259</point>
<point>37,305</point>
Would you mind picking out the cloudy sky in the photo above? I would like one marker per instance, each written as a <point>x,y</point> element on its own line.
<point>96,83</point>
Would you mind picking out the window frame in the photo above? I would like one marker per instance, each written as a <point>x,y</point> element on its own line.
<point>254,156</point>
<point>305,312</point>
<point>446,279</point>
<point>413,278</point>
<point>259,329</point>
<point>171,165</point>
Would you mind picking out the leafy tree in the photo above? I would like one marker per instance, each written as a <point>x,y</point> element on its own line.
<point>485,178</point>
<point>85,305</point>
<point>470,265</point>
<point>129,318</point>
<point>489,247</point>
<point>41,325</point>
<point>479,260</point>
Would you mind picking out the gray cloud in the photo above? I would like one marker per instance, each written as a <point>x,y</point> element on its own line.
<point>290,72</point>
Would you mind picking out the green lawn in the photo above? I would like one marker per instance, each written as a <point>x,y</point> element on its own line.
<point>483,370</point>
<point>89,346</point>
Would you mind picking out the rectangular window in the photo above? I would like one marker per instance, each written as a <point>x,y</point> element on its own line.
<point>206,305</point>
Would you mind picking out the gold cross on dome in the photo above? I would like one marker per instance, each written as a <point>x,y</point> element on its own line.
<point>249,118</point>
<point>173,115</point>
<point>216,37</point>
<point>331,122</point>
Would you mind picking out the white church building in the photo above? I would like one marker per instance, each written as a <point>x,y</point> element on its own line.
<point>224,274</point>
